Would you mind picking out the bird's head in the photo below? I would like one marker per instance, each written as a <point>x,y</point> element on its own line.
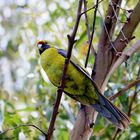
<point>42,46</point>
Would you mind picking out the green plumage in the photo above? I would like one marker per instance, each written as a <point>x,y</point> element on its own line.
<point>78,84</point>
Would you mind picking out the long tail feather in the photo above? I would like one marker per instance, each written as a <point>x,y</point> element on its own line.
<point>111,112</point>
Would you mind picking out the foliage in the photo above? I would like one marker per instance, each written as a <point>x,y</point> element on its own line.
<point>26,97</point>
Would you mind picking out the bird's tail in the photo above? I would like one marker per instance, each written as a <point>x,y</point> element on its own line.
<point>111,112</point>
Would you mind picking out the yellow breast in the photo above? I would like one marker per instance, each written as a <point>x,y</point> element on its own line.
<point>53,64</point>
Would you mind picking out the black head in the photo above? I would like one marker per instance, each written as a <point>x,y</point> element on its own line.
<point>42,46</point>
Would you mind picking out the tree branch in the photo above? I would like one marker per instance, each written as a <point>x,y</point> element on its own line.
<point>130,106</point>
<point>126,33</point>
<point>124,56</point>
<point>122,91</point>
<point>85,11</point>
<point>32,125</point>
<point>104,56</point>
<point>71,41</point>
<point>102,66</point>
<point>84,132</point>
<point>88,115</point>
<point>88,31</point>
<point>134,96</point>
<point>93,29</point>
<point>115,10</point>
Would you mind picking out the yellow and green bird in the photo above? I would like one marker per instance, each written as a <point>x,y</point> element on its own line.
<point>78,83</point>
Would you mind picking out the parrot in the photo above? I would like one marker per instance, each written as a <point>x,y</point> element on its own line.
<point>78,83</point>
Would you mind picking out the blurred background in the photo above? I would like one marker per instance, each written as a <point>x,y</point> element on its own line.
<point>26,95</point>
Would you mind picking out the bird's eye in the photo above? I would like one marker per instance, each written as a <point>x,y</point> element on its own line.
<point>39,46</point>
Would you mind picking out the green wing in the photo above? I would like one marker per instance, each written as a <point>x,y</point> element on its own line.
<point>76,63</point>
<point>86,94</point>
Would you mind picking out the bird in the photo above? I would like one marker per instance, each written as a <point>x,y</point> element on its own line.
<point>78,83</point>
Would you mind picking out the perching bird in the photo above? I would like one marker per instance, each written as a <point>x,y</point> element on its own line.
<point>78,84</point>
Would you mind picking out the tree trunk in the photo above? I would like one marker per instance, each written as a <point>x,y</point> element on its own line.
<point>107,55</point>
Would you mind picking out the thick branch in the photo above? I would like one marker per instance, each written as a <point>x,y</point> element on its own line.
<point>79,131</point>
<point>103,58</point>
<point>89,115</point>
<point>102,66</point>
<point>82,130</point>
<point>110,22</point>
<point>116,10</point>
<point>124,56</point>
<point>128,29</point>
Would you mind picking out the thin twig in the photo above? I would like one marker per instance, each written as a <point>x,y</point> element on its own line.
<point>54,114</point>
<point>87,28</point>
<point>122,91</point>
<point>126,40</point>
<point>130,105</point>
<point>91,8</point>
<point>132,101</point>
<point>118,6</point>
<point>134,96</point>
<point>116,134</point>
<point>115,12</point>
<point>93,29</point>
<point>32,125</point>
<point>90,38</point>
<point>129,113</point>
<point>71,41</point>
<point>86,20</point>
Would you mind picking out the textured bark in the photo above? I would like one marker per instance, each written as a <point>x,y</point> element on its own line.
<point>105,59</point>
<point>80,133</point>
<point>104,55</point>
<point>128,29</point>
